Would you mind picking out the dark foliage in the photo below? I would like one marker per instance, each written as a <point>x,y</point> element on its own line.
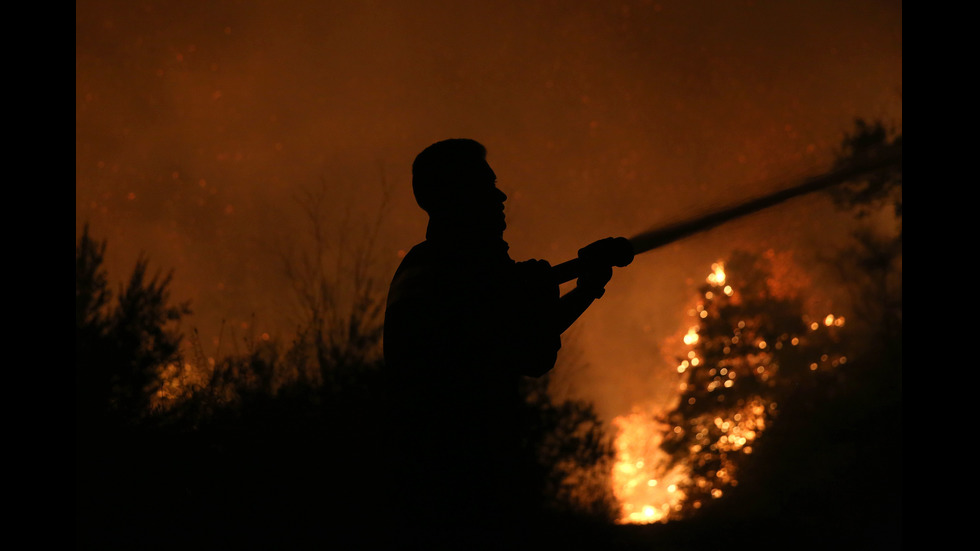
<point>120,345</point>
<point>573,452</point>
<point>869,141</point>
<point>281,446</point>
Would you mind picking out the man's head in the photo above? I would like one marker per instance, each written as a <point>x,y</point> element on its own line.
<point>453,182</point>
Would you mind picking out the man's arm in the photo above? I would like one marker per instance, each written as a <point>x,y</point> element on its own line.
<point>595,269</point>
<point>541,303</point>
<point>591,285</point>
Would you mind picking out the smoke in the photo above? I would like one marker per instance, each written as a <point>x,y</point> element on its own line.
<point>198,125</point>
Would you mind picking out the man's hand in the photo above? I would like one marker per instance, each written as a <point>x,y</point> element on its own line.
<point>597,260</point>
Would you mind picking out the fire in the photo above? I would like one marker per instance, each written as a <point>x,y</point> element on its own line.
<point>645,488</point>
<point>648,488</point>
<point>707,447</point>
<point>178,381</point>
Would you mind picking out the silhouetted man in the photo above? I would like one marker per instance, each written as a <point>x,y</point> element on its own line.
<point>464,323</point>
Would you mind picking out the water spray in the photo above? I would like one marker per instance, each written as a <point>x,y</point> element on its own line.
<point>620,251</point>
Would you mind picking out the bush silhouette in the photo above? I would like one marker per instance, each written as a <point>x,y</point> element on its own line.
<point>121,344</point>
<point>284,444</point>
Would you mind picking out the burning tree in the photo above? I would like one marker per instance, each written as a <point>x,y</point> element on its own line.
<point>752,347</point>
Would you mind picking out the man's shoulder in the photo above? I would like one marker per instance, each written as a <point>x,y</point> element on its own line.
<point>441,257</point>
<point>420,258</point>
<point>448,265</point>
<point>419,253</point>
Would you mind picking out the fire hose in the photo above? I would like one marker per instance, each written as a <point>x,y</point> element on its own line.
<point>620,251</point>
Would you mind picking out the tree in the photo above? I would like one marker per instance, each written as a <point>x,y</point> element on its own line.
<point>333,280</point>
<point>754,353</point>
<point>870,266</point>
<point>571,452</point>
<point>92,322</point>
<point>881,189</point>
<point>121,345</point>
<point>829,467</point>
<point>752,348</point>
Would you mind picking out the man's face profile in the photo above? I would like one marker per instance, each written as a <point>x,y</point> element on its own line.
<point>476,197</point>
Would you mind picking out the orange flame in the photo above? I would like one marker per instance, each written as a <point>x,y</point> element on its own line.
<point>646,489</point>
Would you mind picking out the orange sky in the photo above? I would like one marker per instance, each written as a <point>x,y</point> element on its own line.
<point>199,124</point>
